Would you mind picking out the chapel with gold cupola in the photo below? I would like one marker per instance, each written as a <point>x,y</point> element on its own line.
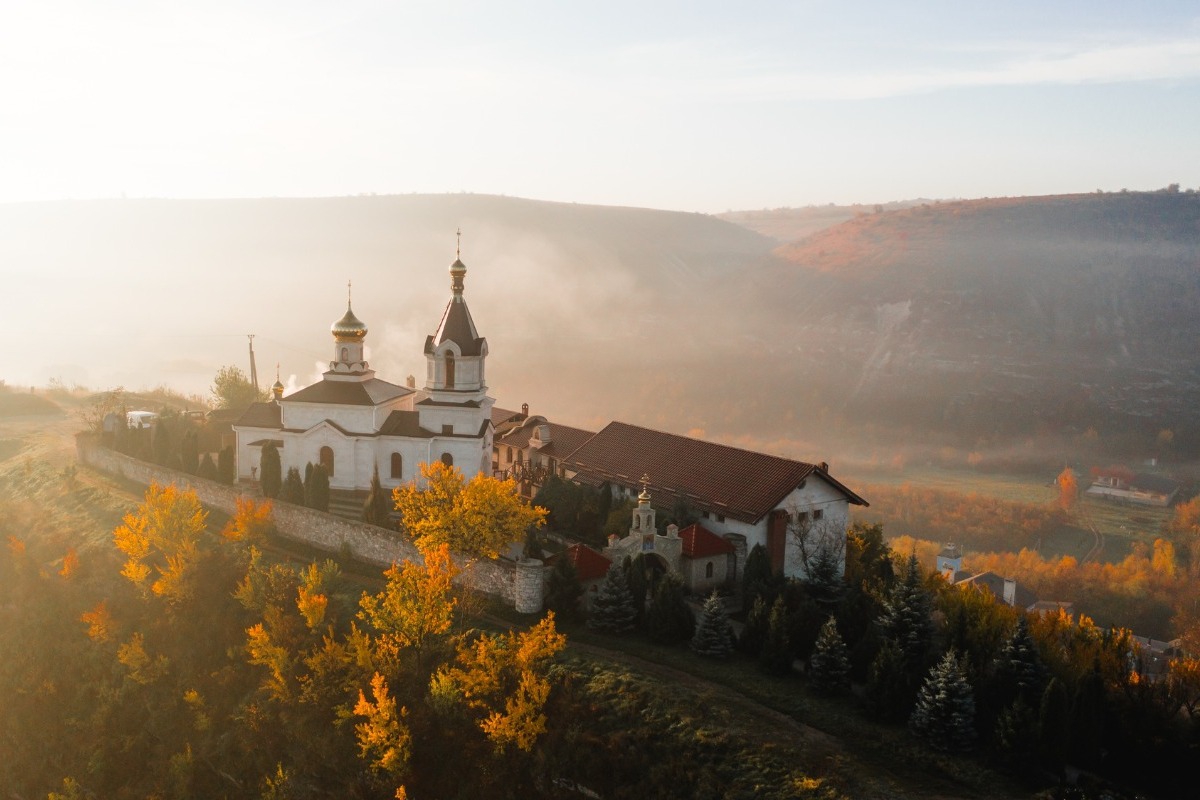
<point>354,423</point>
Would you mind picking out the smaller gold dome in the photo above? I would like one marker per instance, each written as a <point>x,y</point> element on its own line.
<point>349,327</point>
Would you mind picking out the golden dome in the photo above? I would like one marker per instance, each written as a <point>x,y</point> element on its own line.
<point>349,327</point>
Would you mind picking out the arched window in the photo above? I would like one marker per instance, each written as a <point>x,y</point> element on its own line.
<point>397,466</point>
<point>708,570</point>
<point>327,460</point>
<point>345,354</point>
<point>448,459</point>
<point>449,370</point>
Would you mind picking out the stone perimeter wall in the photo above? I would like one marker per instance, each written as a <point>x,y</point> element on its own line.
<point>520,585</point>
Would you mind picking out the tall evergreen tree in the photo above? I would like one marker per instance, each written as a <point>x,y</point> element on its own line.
<point>612,608</point>
<point>945,711</point>
<point>293,488</point>
<point>889,689</point>
<point>757,576</point>
<point>1020,663</point>
<point>669,619</point>
<point>776,655</point>
<point>164,446</point>
<point>1054,726</point>
<point>636,570</point>
<point>563,591</point>
<point>317,496</point>
<point>754,632</point>
<point>189,452</point>
<point>829,665</point>
<point>208,468</point>
<point>226,467</point>
<point>907,618</point>
<point>714,635</point>
<point>270,471</point>
<point>378,505</point>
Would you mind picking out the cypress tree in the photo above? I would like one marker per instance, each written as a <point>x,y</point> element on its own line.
<point>639,584</point>
<point>563,591</point>
<point>226,468</point>
<point>189,452</point>
<point>308,472</point>
<point>163,446</point>
<point>1054,726</point>
<point>757,576</point>
<point>669,619</point>
<point>270,472</point>
<point>316,495</point>
<point>754,632</point>
<point>776,655</point>
<point>612,609</point>
<point>889,690</point>
<point>945,711</point>
<point>208,468</point>
<point>293,488</point>
<point>378,505</point>
<point>829,666</point>
<point>714,634</point>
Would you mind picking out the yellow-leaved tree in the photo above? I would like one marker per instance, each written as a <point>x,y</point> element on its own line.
<point>1068,489</point>
<point>505,679</point>
<point>478,517</point>
<point>162,539</point>
<point>416,606</point>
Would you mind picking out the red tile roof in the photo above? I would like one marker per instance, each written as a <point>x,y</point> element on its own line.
<point>729,481</point>
<point>589,565</point>
<point>700,542</point>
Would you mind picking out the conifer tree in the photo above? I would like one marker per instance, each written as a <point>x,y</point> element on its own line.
<point>293,488</point>
<point>829,666</point>
<point>714,634</point>
<point>1017,735</point>
<point>639,584</point>
<point>776,655</point>
<point>612,609</point>
<point>669,619</point>
<point>1054,725</point>
<point>378,505</point>
<point>226,468</point>
<point>163,446</point>
<point>757,575</point>
<point>1019,668</point>
<point>754,633</point>
<point>945,711</point>
<point>189,452</point>
<point>563,591</point>
<point>208,468</point>
<point>317,495</point>
<point>889,690</point>
<point>907,618</point>
<point>270,471</point>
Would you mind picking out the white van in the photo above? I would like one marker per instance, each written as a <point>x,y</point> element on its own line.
<point>141,419</point>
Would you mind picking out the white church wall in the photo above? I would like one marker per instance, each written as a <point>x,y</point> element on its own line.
<point>817,495</point>
<point>302,416</point>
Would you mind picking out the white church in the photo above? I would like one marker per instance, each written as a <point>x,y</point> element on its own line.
<point>354,423</point>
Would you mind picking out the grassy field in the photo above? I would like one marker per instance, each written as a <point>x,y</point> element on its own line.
<point>1121,525</point>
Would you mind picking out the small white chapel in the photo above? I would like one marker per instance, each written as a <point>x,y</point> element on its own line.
<point>354,423</point>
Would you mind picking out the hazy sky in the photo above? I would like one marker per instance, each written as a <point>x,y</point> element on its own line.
<point>691,105</point>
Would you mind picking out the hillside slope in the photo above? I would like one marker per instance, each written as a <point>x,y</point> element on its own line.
<point>1006,315</point>
<point>974,321</point>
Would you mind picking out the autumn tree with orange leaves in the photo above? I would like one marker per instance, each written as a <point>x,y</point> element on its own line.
<point>479,517</point>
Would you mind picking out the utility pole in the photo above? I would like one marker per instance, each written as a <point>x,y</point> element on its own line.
<point>253,368</point>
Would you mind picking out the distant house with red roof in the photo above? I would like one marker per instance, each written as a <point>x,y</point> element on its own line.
<point>791,508</point>
<point>1118,482</point>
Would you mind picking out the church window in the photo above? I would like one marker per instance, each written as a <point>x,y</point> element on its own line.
<point>345,354</point>
<point>449,370</point>
<point>327,460</point>
<point>508,455</point>
<point>397,466</point>
<point>448,459</point>
<point>708,570</point>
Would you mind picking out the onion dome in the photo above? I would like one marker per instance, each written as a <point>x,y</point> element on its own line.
<point>349,328</point>
<point>458,271</point>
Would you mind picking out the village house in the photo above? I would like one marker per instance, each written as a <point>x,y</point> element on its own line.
<point>793,509</point>
<point>1120,483</point>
